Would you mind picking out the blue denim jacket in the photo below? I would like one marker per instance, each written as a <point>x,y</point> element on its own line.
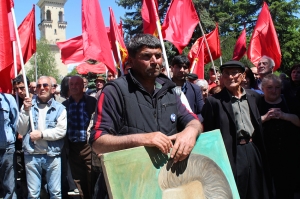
<point>8,121</point>
<point>55,109</point>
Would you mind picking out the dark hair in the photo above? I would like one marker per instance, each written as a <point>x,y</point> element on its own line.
<point>250,75</point>
<point>295,67</point>
<point>19,79</point>
<point>181,59</point>
<point>269,77</point>
<point>142,40</point>
<point>64,86</point>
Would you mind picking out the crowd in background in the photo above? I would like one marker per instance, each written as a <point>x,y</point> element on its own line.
<point>53,159</point>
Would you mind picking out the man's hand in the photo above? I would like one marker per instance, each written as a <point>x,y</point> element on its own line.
<point>159,140</point>
<point>27,103</point>
<point>185,141</point>
<point>35,135</point>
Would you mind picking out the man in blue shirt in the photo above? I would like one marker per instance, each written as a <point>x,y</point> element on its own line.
<point>80,108</point>
<point>8,123</point>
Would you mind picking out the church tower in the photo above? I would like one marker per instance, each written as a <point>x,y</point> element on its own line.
<point>53,28</point>
<point>52,25</point>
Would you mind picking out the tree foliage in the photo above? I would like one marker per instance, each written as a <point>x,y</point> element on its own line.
<point>232,16</point>
<point>45,60</point>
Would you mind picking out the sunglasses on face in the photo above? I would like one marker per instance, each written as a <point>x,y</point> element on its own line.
<point>54,85</point>
<point>45,85</point>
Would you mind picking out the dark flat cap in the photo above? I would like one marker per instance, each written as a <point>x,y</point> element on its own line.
<point>233,64</point>
<point>192,76</point>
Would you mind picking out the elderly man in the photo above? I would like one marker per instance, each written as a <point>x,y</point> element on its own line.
<point>264,67</point>
<point>234,112</point>
<point>80,108</point>
<point>142,109</point>
<point>213,80</point>
<point>181,69</point>
<point>43,142</point>
<point>8,122</point>
<point>32,88</point>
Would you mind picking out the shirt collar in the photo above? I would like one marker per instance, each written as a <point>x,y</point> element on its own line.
<point>234,97</point>
<point>48,103</point>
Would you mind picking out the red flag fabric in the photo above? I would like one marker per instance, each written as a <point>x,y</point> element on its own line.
<point>6,57</point>
<point>85,68</point>
<point>27,36</point>
<point>115,36</point>
<point>240,46</point>
<point>197,60</point>
<point>11,24</point>
<point>96,44</point>
<point>180,22</point>
<point>264,40</point>
<point>213,41</point>
<point>71,50</point>
<point>150,16</point>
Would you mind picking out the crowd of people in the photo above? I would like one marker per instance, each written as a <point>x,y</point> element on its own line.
<point>51,140</point>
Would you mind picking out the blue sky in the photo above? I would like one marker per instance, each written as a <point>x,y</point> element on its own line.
<point>72,14</point>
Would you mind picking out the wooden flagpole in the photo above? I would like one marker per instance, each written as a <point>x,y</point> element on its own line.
<point>211,59</point>
<point>119,57</point>
<point>22,64</point>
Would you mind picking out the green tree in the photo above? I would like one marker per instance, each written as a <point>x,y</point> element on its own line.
<point>231,16</point>
<point>45,60</point>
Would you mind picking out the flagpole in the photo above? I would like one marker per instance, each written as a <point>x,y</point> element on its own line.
<point>211,59</point>
<point>15,67</point>
<point>163,47</point>
<point>119,57</point>
<point>35,66</point>
<point>22,64</point>
<point>194,64</point>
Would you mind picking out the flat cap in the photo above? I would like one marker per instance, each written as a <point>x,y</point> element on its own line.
<point>192,76</point>
<point>100,78</point>
<point>233,64</point>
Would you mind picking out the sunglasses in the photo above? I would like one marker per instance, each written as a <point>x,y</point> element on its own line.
<point>45,85</point>
<point>54,85</point>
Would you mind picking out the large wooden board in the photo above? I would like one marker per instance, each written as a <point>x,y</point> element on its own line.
<point>144,172</point>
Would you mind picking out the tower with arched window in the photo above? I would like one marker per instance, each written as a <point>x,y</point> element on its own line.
<point>53,27</point>
<point>52,23</point>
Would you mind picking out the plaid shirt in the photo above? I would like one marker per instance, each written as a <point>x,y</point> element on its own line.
<point>78,121</point>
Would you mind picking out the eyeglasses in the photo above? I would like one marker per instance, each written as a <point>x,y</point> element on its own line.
<point>232,73</point>
<point>45,85</point>
<point>53,85</point>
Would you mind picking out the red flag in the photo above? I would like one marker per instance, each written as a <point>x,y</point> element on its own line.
<point>180,22</point>
<point>197,59</point>
<point>96,44</point>
<point>71,50</point>
<point>6,58</point>
<point>264,40</point>
<point>27,36</point>
<point>11,23</point>
<point>85,68</point>
<point>115,36</point>
<point>150,17</point>
<point>213,41</point>
<point>240,46</point>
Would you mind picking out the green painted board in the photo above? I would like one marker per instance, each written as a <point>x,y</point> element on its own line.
<point>144,172</point>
